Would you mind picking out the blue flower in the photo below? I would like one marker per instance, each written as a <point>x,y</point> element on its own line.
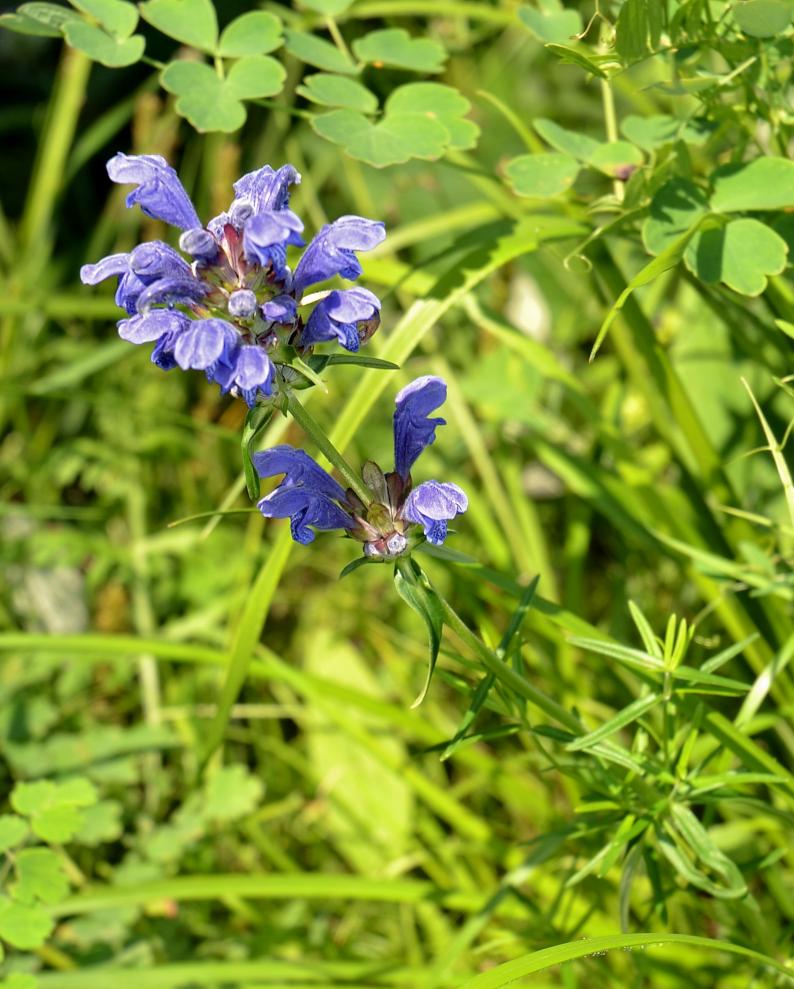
<point>310,497</point>
<point>233,308</point>
<point>307,495</point>
<point>346,316</point>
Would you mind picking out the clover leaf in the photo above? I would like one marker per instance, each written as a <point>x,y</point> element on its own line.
<point>117,17</point>
<point>393,140</point>
<point>542,176</point>
<point>40,876</point>
<point>54,808</point>
<point>103,47</point>
<point>318,52</point>
<point>254,33</point>
<point>395,46</point>
<point>675,208</point>
<point>13,831</point>
<point>341,91</point>
<point>420,120</point>
<point>741,253</point>
<point>192,22</point>
<point>211,103</point>
<point>763,184</point>
<point>23,926</point>
<point>659,129</point>
<point>551,22</point>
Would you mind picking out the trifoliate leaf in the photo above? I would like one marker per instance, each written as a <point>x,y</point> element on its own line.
<point>53,807</point>
<point>328,7</point>
<point>40,876</point>
<point>255,77</point>
<point>214,104</point>
<point>102,822</point>
<point>254,33</point>
<point>341,91</point>
<point>391,141</point>
<point>569,142</point>
<point>231,793</point>
<point>21,24</point>
<point>762,184</point>
<point>616,158</point>
<point>675,208</point>
<point>23,926</point>
<point>48,15</point>
<point>395,46</point>
<point>657,130</point>
<point>437,102</point>
<point>318,52</point>
<point>421,120</point>
<point>192,22</point>
<point>103,47</point>
<point>542,176</point>
<point>551,23</point>
<point>763,18</point>
<point>117,17</point>
<point>741,254</point>
<point>13,831</point>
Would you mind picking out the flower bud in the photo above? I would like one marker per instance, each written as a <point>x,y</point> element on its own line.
<point>242,303</point>
<point>199,243</point>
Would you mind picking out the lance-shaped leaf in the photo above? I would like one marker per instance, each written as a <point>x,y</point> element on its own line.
<point>257,419</point>
<point>414,588</point>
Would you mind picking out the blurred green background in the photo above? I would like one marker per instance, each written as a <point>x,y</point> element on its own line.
<point>328,843</point>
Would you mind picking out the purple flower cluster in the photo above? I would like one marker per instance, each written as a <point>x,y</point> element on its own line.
<point>310,497</point>
<point>233,310</point>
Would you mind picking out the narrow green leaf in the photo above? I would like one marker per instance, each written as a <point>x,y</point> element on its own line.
<point>414,588</point>
<point>625,717</point>
<point>537,961</point>
<point>256,420</point>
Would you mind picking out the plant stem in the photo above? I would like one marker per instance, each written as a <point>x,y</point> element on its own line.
<point>506,674</point>
<point>315,430</point>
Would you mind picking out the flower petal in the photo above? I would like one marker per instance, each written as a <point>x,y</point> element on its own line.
<point>304,508</point>
<point>113,264</point>
<point>331,252</point>
<point>150,326</point>
<point>338,316</point>
<point>203,343</point>
<point>171,291</point>
<point>266,236</point>
<point>413,430</point>
<point>431,505</point>
<point>299,468</point>
<point>266,188</point>
<point>160,194</point>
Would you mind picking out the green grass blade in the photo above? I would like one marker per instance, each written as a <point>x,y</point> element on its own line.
<point>511,971</point>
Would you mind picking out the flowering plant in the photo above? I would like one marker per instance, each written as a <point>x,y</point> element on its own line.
<point>383,519</point>
<point>233,311</point>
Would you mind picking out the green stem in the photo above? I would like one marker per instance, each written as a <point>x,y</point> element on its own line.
<point>315,430</point>
<point>506,674</point>
<point>58,133</point>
